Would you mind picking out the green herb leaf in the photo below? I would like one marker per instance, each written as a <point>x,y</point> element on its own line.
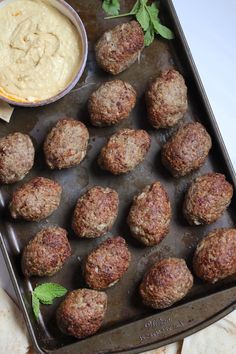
<point>149,36</point>
<point>111,7</point>
<point>35,305</point>
<point>147,16</point>
<point>153,11</point>
<point>164,31</point>
<point>143,17</point>
<point>47,292</point>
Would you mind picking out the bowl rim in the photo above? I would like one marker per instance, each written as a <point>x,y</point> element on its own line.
<point>71,85</point>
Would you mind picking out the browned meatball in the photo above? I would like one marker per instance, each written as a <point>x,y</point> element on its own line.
<point>95,212</point>
<point>207,199</point>
<point>150,214</point>
<point>167,282</point>
<point>111,103</point>
<point>16,157</point>
<point>187,149</point>
<point>166,99</point>
<point>120,47</point>
<point>106,264</point>
<point>124,151</point>
<point>215,256</point>
<point>36,199</point>
<point>82,312</point>
<point>66,144</point>
<point>46,253</point>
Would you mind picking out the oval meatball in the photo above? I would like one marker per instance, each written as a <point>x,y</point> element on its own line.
<point>186,150</point>
<point>207,199</point>
<point>111,103</point>
<point>124,151</point>
<point>105,265</point>
<point>95,212</point>
<point>120,47</point>
<point>167,282</point>
<point>36,199</point>
<point>82,312</point>
<point>166,99</point>
<point>66,144</point>
<point>150,215</point>
<point>46,253</point>
<point>16,157</point>
<point>215,255</point>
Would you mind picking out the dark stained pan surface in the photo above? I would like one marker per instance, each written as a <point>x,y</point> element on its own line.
<point>129,326</point>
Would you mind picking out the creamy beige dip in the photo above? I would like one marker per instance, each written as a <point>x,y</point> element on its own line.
<point>40,50</point>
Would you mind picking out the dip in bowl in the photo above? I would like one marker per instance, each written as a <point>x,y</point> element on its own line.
<point>43,51</point>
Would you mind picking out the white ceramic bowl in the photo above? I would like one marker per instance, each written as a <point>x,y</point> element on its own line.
<point>69,12</point>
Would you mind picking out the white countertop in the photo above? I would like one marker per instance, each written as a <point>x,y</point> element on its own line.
<point>210,29</point>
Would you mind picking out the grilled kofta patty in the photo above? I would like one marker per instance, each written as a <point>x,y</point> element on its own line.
<point>150,214</point>
<point>167,282</point>
<point>46,253</point>
<point>124,151</point>
<point>166,99</point>
<point>207,199</point>
<point>66,144</point>
<point>120,47</point>
<point>36,199</point>
<point>105,265</point>
<point>16,157</point>
<point>215,255</point>
<point>186,150</point>
<point>95,212</point>
<point>111,103</point>
<point>82,312</point>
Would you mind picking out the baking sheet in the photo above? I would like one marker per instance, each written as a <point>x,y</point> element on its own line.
<point>124,304</point>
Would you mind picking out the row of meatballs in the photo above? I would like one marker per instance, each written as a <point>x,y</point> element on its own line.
<point>66,145</point>
<point>149,216</point>
<point>82,312</point>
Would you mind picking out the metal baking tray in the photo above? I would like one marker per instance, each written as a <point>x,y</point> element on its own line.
<point>129,327</point>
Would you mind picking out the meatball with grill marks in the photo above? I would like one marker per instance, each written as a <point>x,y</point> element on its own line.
<point>105,265</point>
<point>120,47</point>
<point>46,253</point>
<point>16,157</point>
<point>167,282</point>
<point>95,212</point>
<point>82,312</point>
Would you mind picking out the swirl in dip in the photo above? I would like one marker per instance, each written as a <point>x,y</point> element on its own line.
<point>40,51</point>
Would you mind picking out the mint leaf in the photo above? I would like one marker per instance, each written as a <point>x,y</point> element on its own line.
<point>164,31</point>
<point>35,305</point>
<point>47,292</point>
<point>146,15</point>
<point>111,7</point>
<point>143,17</point>
<point>149,36</point>
<point>153,11</point>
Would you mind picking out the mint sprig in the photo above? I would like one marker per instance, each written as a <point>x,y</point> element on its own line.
<point>111,7</point>
<point>148,18</point>
<point>45,294</point>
